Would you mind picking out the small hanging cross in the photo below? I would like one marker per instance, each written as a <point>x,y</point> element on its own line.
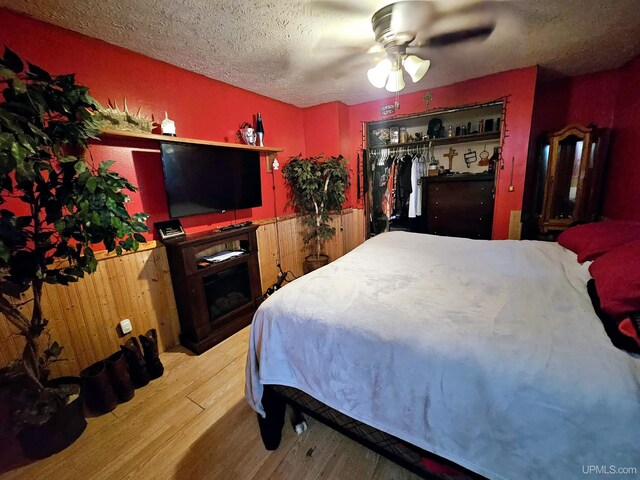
<point>427,99</point>
<point>452,153</point>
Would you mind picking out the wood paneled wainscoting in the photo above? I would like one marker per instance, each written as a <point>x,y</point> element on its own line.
<point>349,234</point>
<point>83,316</point>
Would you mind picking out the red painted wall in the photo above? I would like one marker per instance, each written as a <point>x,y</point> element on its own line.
<point>201,107</point>
<point>322,129</point>
<point>518,85</point>
<point>622,198</point>
<point>327,131</point>
<point>583,99</point>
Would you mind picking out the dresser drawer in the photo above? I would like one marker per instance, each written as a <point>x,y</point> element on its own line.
<point>459,209</point>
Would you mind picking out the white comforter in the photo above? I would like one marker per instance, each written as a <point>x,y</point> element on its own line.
<point>484,352</point>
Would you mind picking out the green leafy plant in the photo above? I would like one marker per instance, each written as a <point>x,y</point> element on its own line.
<point>317,187</point>
<point>55,207</point>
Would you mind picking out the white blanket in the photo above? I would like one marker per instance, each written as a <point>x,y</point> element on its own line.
<point>488,353</point>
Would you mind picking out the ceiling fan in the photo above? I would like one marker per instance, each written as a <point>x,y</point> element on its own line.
<point>412,25</point>
<point>406,31</point>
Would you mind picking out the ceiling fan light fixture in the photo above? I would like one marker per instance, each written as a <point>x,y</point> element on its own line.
<point>378,74</point>
<point>416,67</point>
<point>395,82</point>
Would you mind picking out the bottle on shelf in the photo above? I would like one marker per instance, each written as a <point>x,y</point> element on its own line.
<point>495,158</point>
<point>488,125</point>
<point>433,163</point>
<point>394,134</point>
<point>450,131</point>
<point>404,135</point>
<point>260,129</point>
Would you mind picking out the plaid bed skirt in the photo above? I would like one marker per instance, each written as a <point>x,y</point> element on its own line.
<point>417,460</point>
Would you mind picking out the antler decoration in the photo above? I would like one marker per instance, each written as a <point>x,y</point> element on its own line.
<point>113,118</point>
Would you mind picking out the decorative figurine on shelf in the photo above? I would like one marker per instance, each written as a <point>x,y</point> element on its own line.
<point>248,134</point>
<point>434,129</point>
<point>260,129</point>
<point>168,126</point>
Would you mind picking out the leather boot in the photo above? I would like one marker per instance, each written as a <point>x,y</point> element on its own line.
<point>119,376</point>
<point>135,362</point>
<point>98,392</point>
<point>149,343</point>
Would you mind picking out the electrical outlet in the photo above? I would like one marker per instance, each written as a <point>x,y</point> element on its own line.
<point>125,326</point>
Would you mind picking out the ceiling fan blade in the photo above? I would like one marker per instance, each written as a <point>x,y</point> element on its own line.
<point>450,38</point>
<point>460,21</point>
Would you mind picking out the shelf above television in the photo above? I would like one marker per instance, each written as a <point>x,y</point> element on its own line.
<point>271,152</point>
<point>166,138</point>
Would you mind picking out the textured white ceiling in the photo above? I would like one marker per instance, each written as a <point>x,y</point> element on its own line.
<point>308,52</point>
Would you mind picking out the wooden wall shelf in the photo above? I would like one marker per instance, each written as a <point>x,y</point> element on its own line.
<point>194,141</point>
<point>474,137</point>
<point>271,153</point>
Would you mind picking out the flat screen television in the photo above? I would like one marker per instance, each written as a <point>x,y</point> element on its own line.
<point>208,179</point>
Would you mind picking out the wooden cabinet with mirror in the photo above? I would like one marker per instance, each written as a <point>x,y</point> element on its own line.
<point>570,177</point>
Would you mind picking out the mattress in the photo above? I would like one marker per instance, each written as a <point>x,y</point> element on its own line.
<point>487,353</point>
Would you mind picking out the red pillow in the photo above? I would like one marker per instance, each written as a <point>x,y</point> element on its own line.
<point>591,240</point>
<point>617,277</point>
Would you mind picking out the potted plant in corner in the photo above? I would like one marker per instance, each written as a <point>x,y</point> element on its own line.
<point>317,187</point>
<point>54,206</point>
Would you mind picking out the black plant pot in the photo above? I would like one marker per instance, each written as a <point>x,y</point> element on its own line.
<point>60,431</point>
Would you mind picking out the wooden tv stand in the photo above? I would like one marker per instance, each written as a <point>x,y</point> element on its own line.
<point>218,299</point>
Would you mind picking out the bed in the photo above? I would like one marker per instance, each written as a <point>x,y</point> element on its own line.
<point>485,353</point>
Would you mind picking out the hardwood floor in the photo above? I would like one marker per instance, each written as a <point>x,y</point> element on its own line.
<point>193,423</point>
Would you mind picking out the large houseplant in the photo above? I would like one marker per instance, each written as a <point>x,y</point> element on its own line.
<point>54,206</point>
<point>317,187</point>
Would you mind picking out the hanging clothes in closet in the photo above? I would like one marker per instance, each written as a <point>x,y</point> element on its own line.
<point>396,196</point>
<point>418,170</point>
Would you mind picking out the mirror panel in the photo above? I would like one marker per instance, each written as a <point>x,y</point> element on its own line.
<point>567,175</point>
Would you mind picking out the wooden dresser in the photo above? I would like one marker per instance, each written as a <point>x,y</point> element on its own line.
<point>458,205</point>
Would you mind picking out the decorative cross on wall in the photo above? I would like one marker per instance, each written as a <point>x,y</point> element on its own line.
<point>427,99</point>
<point>452,153</point>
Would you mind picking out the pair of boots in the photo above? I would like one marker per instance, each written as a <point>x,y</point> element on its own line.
<point>144,364</point>
<point>111,381</point>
